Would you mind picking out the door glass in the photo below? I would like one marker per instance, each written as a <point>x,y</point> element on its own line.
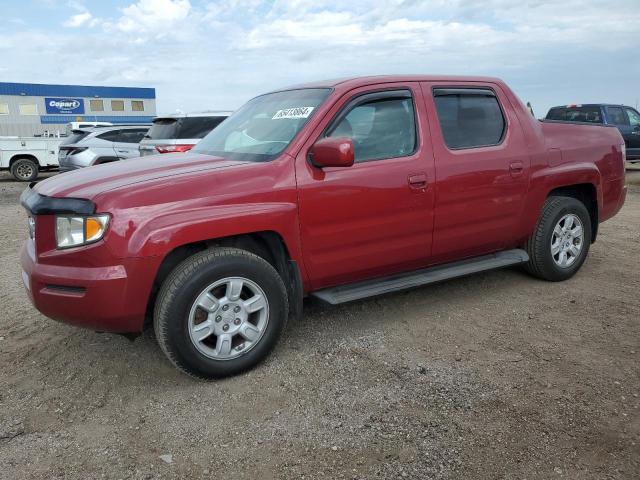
<point>131,136</point>
<point>380,129</point>
<point>617,116</point>
<point>112,136</point>
<point>634,117</point>
<point>469,120</point>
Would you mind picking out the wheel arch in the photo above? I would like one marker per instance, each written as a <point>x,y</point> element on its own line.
<point>105,159</point>
<point>23,156</point>
<point>588,195</point>
<point>269,245</point>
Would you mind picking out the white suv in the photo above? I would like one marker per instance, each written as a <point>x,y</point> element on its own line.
<point>95,145</point>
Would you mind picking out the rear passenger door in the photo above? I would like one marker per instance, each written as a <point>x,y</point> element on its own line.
<point>481,169</point>
<point>126,142</point>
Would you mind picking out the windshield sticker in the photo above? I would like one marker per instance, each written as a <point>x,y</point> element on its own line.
<point>297,112</point>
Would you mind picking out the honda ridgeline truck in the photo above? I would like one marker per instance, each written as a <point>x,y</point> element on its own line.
<point>340,190</point>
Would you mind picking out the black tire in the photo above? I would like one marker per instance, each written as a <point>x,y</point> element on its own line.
<point>541,262</point>
<point>179,292</point>
<point>24,170</point>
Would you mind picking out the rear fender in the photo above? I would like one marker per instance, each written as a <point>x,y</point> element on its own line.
<point>547,179</point>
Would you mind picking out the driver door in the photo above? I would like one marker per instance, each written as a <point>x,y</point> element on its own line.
<point>376,217</point>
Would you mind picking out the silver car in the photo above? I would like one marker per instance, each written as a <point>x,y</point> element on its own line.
<point>179,132</point>
<point>95,145</point>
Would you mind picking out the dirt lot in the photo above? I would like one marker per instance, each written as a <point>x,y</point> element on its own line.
<point>497,375</point>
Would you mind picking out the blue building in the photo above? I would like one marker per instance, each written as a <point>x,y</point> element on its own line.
<point>28,109</point>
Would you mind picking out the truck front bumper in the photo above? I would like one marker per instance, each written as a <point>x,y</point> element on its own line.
<point>111,299</point>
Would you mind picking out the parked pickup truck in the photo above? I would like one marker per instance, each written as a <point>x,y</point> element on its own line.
<point>340,190</point>
<point>24,157</point>
<point>625,119</point>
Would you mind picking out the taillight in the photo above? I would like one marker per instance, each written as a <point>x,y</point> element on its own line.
<point>73,150</point>
<point>173,148</point>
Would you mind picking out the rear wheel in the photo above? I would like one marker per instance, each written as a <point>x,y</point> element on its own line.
<point>220,312</point>
<point>560,243</point>
<point>24,170</point>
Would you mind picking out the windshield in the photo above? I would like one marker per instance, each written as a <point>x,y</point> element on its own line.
<point>264,126</point>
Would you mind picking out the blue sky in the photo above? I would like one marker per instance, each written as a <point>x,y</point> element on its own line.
<point>217,54</point>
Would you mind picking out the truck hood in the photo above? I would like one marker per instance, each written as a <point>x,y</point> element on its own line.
<point>89,182</point>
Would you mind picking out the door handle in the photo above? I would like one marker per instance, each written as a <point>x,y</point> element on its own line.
<point>418,181</point>
<point>516,168</point>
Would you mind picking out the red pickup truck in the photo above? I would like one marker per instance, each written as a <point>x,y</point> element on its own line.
<point>339,189</point>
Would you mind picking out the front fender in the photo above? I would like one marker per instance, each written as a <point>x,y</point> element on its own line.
<point>167,231</point>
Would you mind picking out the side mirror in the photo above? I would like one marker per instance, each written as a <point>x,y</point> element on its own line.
<point>332,152</point>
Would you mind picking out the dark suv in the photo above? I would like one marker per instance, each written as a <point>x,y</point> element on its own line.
<point>627,120</point>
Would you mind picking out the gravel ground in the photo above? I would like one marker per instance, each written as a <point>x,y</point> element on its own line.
<point>497,375</point>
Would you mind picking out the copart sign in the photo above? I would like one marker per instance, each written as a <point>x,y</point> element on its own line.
<point>64,105</point>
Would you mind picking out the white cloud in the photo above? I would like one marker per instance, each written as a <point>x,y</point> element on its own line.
<point>218,54</point>
<point>152,16</point>
<point>78,20</point>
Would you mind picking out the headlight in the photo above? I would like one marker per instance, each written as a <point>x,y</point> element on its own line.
<point>75,231</point>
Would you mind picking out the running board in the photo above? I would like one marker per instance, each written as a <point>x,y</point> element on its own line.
<point>394,283</point>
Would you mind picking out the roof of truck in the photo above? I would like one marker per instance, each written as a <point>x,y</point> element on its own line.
<point>354,82</point>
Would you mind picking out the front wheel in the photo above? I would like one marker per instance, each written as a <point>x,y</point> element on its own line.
<point>24,170</point>
<point>560,243</point>
<point>220,312</point>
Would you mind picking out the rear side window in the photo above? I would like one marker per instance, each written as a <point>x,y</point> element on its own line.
<point>469,117</point>
<point>382,128</point>
<point>617,116</point>
<point>131,136</point>
<point>198,127</point>
<point>576,114</point>
<point>163,129</point>
<point>111,136</point>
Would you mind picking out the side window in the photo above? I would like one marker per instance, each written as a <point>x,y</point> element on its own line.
<point>634,117</point>
<point>117,105</point>
<point>382,128</point>
<point>96,105</point>
<point>469,117</point>
<point>198,127</point>
<point>617,116</point>
<point>112,136</point>
<point>131,136</point>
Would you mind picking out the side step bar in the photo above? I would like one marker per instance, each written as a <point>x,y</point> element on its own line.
<point>394,283</point>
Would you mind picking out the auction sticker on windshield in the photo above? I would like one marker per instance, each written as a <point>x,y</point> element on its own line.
<point>296,112</point>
